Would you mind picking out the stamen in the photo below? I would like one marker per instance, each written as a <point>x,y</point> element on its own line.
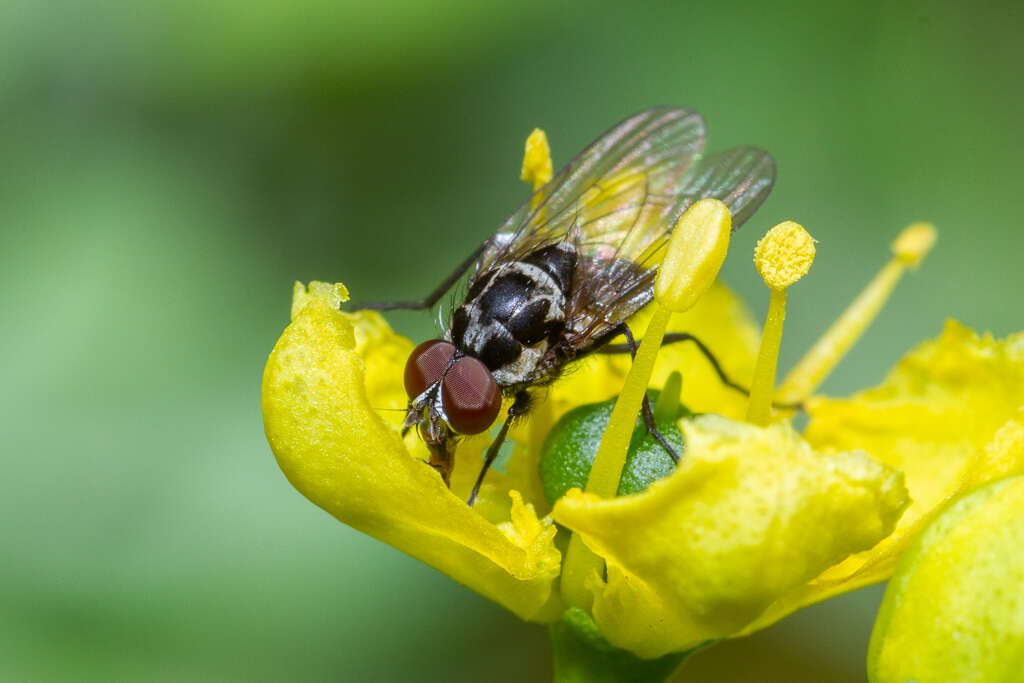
<point>695,254</point>
<point>537,159</point>
<point>909,249</point>
<point>783,256</point>
<point>611,454</point>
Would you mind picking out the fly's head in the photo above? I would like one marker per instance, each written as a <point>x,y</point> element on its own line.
<point>449,393</point>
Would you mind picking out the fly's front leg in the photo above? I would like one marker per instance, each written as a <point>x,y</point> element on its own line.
<point>517,409</point>
<point>431,298</point>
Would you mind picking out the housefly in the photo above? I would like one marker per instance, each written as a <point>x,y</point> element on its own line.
<point>565,272</point>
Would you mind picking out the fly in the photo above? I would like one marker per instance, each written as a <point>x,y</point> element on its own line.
<point>564,273</point>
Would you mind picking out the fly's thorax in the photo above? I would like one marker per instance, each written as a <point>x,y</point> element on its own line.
<point>514,312</point>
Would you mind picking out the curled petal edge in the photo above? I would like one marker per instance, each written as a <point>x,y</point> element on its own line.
<point>338,452</point>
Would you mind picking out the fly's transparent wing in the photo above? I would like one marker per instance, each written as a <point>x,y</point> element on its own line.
<point>609,190</point>
<point>615,281</point>
<point>617,202</point>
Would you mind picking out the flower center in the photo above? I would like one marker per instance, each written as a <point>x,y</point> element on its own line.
<point>694,256</point>
<point>783,256</point>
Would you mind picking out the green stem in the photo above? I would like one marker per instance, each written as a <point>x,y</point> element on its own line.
<point>582,655</point>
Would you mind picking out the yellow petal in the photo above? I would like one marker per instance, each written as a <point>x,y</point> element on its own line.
<point>1001,457</point>
<point>953,610</point>
<point>750,514</point>
<point>949,416</point>
<point>342,455</point>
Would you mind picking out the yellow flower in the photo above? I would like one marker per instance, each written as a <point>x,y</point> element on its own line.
<point>756,521</point>
<point>324,386</point>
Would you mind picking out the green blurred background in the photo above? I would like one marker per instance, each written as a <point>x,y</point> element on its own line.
<point>167,170</point>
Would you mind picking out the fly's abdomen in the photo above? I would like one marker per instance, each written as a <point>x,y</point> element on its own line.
<point>514,312</point>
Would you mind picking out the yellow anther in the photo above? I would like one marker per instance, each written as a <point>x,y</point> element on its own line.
<point>784,255</point>
<point>695,254</point>
<point>537,159</point>
<point>908,250</point>
<point>914,243</point>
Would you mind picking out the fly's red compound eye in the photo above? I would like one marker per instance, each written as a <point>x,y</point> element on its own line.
<point>426,364</point>
<point>471,396</point>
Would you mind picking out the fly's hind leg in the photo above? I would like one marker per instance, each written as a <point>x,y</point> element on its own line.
<point>430,299</point>
<point>519,407</point>
<point>645,410</point>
